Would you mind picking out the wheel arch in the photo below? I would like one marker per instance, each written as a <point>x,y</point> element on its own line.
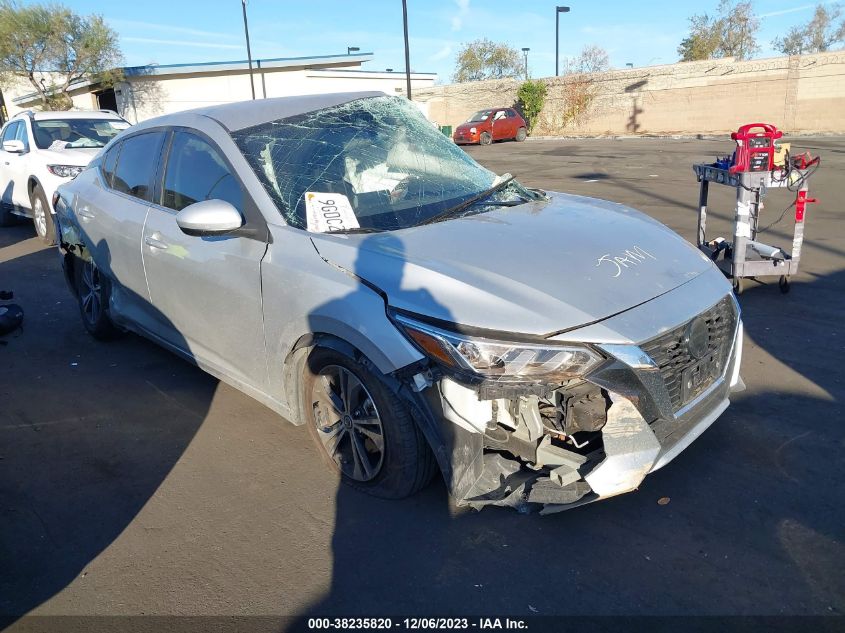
<point>397,381</point>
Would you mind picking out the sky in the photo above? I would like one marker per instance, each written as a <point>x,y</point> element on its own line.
<point>641,33</point>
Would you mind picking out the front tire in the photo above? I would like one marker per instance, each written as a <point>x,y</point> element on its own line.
<point>485,139</point>
<point>42,218</point>
<point>362,429</point>
<point>521,134</point>
<point>93,292</point>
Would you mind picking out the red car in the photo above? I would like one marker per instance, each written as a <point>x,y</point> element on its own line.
<point>495,124</point>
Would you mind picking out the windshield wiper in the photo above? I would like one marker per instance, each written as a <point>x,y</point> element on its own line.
<point>360,229</point>
<point>467,203</point>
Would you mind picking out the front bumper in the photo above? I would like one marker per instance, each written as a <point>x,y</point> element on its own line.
<point>644,431</point>
<point>465,138</point>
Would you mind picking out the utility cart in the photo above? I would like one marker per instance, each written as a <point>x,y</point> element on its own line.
<point>753,175</point>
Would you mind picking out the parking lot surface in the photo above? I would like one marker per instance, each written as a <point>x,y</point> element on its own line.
<point>133,483</point>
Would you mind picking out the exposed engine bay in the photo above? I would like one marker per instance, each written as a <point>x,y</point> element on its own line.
<point>555,448</point>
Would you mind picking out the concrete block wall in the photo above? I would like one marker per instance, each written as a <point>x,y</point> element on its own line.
<point>800,94</point>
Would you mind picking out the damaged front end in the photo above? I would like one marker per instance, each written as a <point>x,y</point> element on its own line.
<point>541,425</point>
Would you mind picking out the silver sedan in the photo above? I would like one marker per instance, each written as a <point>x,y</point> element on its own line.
<point>341,261</point>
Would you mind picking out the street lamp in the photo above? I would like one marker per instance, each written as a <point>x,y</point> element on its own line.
<point>248,51</point>
<point>525,52</point>
<point>407,51</point>
<point>629,65</point>
<point>352,49</point>
<point>558,11</point>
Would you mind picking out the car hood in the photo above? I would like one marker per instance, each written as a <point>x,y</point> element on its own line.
<point>465,127</point>
<point>80,156</point>
<point>538,268</point>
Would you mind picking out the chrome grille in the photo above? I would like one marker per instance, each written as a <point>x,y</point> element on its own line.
<point>669,351</point>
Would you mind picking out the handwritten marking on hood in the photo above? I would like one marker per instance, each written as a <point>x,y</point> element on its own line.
<point>631,257</point>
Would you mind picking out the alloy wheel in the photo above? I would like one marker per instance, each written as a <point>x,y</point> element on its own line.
<point>39,216</point>
<point>348,424</point>
<point>91,293</point>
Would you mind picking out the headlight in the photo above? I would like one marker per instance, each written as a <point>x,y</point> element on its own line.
<point>500,360</point>
<point>472,130</point>
<point>65,171</point>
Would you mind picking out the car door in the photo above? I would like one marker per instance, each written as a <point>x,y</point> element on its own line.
<point>207,289</point>
<point>513,122</point>
<point>500,125</point>
<point>23,169</point>
<point>110,214</point>
<point>13,166</point>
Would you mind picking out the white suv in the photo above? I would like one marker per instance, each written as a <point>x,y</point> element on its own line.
<point>40,151</point>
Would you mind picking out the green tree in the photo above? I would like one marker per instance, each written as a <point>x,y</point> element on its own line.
<point>483,59</point>
<point>732,32</point>
<point>817,36</point>
<point>53,47</point>
<point>531,96</point>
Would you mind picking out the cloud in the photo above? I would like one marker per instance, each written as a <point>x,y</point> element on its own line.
<point>772,14</point>
<point>443,53</point>
<point>164,28</point>
<point>192,43</point>
<point>458,18</point>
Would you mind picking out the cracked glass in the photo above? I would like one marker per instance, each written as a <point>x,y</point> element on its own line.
<point>394,167</point>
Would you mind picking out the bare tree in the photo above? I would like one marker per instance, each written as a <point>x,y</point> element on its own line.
<point>817,36</point>
<point>591,59</point>
<point>53,47</point>
<point>731,33</point>
<point>484,59</point>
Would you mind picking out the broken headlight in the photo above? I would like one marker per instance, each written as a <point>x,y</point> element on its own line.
<point>500,360</point>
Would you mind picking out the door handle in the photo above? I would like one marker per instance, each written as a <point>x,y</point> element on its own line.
<point>85,213</point>
<point>152,242</point>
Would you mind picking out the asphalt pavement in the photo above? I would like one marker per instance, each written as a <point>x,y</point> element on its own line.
<point>132,483</point>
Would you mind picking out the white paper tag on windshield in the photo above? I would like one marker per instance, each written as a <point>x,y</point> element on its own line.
<point>329,212</point>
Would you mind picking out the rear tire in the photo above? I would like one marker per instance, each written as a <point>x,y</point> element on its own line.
<point>521,134</point>
<point>93,292</point>
<point>363,430</point>
<point>42,218</point>
<point>485,139</point>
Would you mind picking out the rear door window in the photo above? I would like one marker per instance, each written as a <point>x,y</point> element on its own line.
<point>109,163</point>
<point>136,165</point>
<point>196,171</point>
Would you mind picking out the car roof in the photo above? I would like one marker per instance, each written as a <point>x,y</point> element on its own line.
<point>70,114</point>
<point>244,114</point>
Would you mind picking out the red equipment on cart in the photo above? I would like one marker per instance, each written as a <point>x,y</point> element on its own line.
<point>755,150</point>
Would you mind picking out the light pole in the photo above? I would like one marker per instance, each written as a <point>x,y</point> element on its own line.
<point>525,52</point>
<point>352,49</point>
<point>248,51</point>
<point>558,11</point>
<point>407,51</point>
<point>629,65</point>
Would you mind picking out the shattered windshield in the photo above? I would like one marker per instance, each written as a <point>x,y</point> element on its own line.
<point>481,115</point>
<point>369,164</point>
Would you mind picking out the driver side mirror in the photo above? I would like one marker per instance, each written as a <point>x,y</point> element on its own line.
<point>209,217</point>
<point>14,146</point>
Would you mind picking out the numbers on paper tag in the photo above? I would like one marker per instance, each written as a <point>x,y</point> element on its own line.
<point>329,212</point>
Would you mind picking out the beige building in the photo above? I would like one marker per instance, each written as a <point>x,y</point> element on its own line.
<point>148,91</point>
